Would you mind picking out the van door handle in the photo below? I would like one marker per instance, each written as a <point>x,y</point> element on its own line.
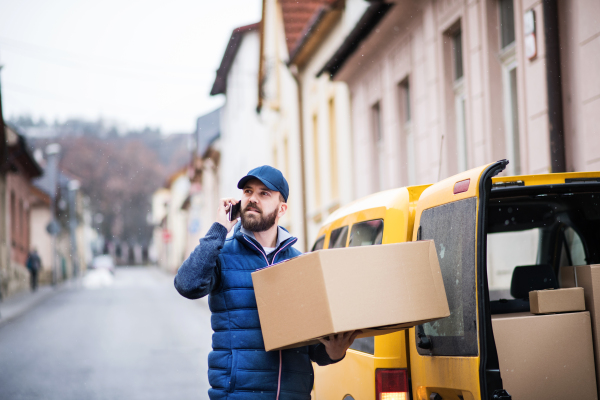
<point>424,341</point>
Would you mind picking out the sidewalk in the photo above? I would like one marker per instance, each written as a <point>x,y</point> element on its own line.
<point>20,303</point>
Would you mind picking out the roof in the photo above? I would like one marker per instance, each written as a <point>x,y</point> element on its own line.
<point>19,154</point>
<point>369,20</point>
<point>297,15</point>
<point>208,129</point>
<point>315,29</point>
<point>183,171</point>
<point>220,84</point>
<point>40,196</point>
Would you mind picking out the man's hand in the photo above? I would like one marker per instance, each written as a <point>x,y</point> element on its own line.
<point>336,345</point>
<point>222,213</point>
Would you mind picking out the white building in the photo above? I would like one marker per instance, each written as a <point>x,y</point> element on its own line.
<point>244,139</point>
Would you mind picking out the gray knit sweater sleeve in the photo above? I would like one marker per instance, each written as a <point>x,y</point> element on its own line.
<point>199,274</point>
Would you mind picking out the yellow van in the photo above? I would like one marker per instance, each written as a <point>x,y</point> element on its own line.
<point>485,227</point>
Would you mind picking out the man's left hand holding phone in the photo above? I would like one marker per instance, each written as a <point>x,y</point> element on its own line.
<point>228,212</point>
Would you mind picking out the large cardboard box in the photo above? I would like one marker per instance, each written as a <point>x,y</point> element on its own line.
<point>588,277</point>
<point>556,300</point>
<point>377,289</point>
<point>546,356</point>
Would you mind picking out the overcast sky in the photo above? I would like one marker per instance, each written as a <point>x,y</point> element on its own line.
<point>135,62</point>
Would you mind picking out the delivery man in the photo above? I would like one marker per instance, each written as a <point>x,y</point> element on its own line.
<point>239,368</point>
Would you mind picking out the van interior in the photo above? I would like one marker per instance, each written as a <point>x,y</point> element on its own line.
<point>534,231</point>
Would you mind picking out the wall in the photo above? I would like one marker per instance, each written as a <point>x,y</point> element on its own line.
<point>177,223</point>
<point>327,131</point>
<point>414,43</point>
<point>280,116</point>
<point>18,185</point>
<point>41,240</point>
<point>245,141</point>
<point>579,27</point>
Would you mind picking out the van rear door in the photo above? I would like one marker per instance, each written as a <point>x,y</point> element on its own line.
<point>455,358</point>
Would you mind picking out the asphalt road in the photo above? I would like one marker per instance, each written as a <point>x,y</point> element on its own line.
<point>131,337</point>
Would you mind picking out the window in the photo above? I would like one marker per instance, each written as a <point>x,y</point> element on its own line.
<point>21,226</point>
<point>457,55</point>
<point>507,23</point>
<point>573,252</point>
<point>13,218</point>
<point>508,59</point>
<point>407,132</point>
<point>366,233</point>
<point>459,101</point>
<point>333,159</point>
<point>338,238</point>
<point>378,149</point>
<point>286,157</point>
<point>316,161</point>
<point>319,243</point>
<point>452,227</point>
<point>505,251</point>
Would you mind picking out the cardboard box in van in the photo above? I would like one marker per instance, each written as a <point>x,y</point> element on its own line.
<point>588,277</point>
<point>556,300</point>
<point>546,356</point>
<point>377,289</point>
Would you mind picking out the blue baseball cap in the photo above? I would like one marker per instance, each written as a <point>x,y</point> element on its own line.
<point>271,177</point>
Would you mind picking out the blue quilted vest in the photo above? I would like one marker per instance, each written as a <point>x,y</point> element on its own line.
<point>239,368</point>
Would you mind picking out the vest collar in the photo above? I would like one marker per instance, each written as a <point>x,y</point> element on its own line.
<point>243,235</point>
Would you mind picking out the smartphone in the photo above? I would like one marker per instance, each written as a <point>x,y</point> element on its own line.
<point>234,211</point>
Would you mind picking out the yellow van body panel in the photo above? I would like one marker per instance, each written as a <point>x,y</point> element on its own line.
<point>546,179</point>
<point>355,375</point>
<point>453,376</point>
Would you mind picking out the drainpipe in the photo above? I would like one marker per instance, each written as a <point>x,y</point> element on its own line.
<point>294,70</point>
<point>554,85</point>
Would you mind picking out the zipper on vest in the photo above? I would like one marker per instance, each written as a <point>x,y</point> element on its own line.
<point>269,264</point>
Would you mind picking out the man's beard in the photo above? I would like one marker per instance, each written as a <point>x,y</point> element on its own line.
<point>258,223</point>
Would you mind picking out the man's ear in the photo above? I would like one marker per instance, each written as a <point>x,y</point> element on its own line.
<point>282,209</point>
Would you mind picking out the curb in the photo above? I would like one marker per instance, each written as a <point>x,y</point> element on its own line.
<point>5,319</point>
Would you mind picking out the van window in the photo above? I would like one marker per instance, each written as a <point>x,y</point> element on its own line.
<point>452,227</point>
<point>338,238</point>
<point>366,233</point>
<point>572,252</point>
<point>505,251</point>
<point>319,243</point>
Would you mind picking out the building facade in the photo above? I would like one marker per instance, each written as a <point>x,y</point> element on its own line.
<point>439,87</point>
<point>244,137</point>
<point>21,171</point>
<point>325,110</point>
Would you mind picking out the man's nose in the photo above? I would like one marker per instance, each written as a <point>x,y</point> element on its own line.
<point>253,199</point>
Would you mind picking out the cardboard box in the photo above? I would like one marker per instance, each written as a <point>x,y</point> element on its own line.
<point>556,300</point>
<point>546,356</point>
<point>588,277</point>
<point>378,289</point>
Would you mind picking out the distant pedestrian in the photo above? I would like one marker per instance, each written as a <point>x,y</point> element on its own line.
<point>34,265</point>
<point>239,367</point>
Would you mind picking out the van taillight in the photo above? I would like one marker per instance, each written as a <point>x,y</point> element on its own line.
<point>391,384</point>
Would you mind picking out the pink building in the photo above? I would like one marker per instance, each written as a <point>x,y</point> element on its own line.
<point>438,87</point>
